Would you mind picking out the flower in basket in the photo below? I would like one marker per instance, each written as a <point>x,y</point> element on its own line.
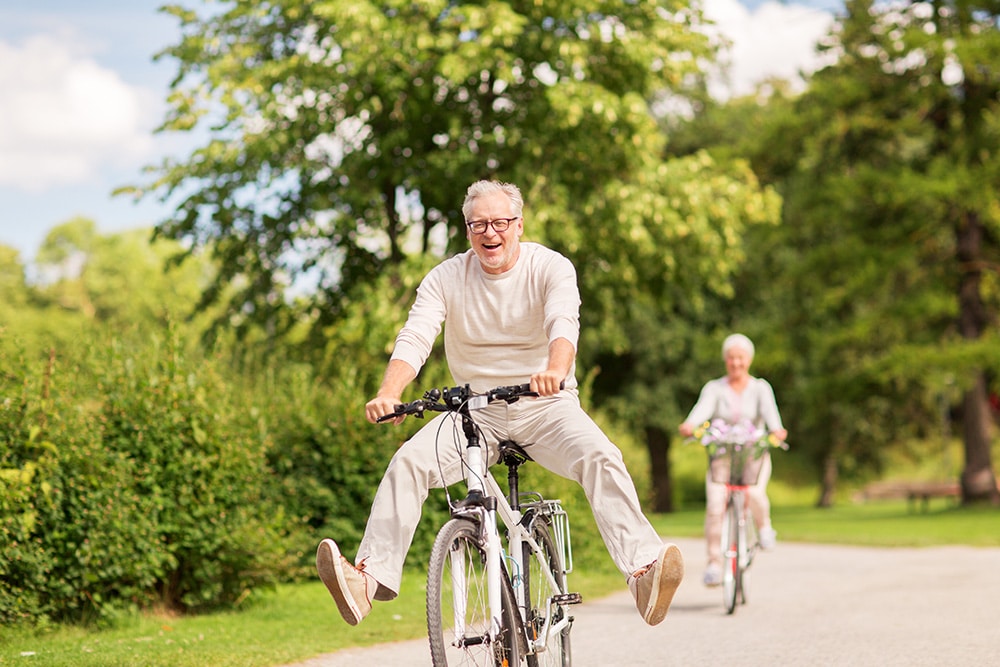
<point>720,436</point>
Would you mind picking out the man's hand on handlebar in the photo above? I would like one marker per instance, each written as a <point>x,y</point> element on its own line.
<point>384,409</point>
<point>380,406</point>
<point>547,383</point>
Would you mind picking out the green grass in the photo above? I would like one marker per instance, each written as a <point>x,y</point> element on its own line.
<point>298,621</point>
<point>877,524</point>
<point>290,624</point>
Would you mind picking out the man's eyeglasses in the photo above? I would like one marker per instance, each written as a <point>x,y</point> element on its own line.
<point>499,225</point>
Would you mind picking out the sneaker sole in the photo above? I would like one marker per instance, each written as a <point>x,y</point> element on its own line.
<point>329,564</point>
<point>668,575</point>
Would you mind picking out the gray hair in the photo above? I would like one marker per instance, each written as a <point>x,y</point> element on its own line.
<point>737,340</point>
<point>485,187</point>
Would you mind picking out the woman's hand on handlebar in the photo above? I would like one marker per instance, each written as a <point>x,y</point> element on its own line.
<point>547,383</point>
<point>381,406</point>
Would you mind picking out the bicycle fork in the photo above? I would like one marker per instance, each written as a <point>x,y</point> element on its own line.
<point>484,507</point>
<point>487,523</point>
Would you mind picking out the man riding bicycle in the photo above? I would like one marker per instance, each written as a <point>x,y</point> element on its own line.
<point>510,311</point>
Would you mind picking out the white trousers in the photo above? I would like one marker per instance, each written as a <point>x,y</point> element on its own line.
<point>558,435</point>
<point>715,507</point>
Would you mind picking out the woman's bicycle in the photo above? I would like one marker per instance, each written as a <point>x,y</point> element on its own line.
<point>738,470</point>
<point>736,456</point>
<point>496,601</point>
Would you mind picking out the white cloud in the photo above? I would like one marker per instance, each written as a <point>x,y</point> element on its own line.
<point>773,41</point>
<point>63,116</point>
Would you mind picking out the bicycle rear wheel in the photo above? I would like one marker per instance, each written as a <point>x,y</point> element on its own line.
<point>458,607</point>
<point>731,570</point>
<point>538,592</point>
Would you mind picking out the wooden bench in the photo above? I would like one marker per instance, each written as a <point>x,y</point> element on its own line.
<point>912,491</point>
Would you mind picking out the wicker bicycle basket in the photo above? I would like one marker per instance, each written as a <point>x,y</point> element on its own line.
<point>739,466</point>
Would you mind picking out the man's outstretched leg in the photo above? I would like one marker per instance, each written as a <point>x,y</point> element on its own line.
<point>351,587</point>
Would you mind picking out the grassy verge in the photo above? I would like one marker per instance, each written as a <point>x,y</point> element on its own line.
<point>298,621</point>
<point>878,524</point>
<point>287,625</point>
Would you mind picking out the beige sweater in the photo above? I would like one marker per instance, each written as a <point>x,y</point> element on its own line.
<point>497,328</point>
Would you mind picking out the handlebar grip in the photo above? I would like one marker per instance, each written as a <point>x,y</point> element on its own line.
<point>525,389</point>
<point>398,410</point>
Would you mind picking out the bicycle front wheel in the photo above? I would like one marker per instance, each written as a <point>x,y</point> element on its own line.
<point>542,613</point>
<point>458,606</point>
<point>731,570</point>
<point>751,542</point>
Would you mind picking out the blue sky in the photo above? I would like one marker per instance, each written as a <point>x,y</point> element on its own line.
<point>82,95</point>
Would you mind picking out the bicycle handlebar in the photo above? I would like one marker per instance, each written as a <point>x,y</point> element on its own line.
<point>454,399</point>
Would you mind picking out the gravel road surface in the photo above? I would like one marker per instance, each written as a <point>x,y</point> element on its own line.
<point>807,605</point>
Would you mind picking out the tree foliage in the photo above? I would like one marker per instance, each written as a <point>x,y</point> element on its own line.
<point>915,146</point>
<point>342,134</point>
<point>882,283</point>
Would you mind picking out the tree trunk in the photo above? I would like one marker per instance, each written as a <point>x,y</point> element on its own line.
<point>658,444</point>
<point>829,481</point>
<point>978,481</point>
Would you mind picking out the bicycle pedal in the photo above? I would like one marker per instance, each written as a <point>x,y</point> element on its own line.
<point>567,598</point>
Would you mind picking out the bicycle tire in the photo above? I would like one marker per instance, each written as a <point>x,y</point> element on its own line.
<point>730,554</point>
<point>457,546</point>
<point>537,590</point>
<point>751,542</point>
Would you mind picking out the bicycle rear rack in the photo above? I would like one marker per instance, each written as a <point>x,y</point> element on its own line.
<point>560,527</point>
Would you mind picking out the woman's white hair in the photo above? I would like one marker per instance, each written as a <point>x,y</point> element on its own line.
<point>737,340</point>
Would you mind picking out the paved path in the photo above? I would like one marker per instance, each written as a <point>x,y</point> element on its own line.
<point>808,605</point>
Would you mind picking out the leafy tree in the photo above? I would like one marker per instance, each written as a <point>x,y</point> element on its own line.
<point>915,138</point>
<point>61,260</point>
<point>13,290</point>
<point>14,293</point>
<point>674,255</point>
<point>118,279</point>
<point>883,281</point>
<point>35,317</point>
<point>343,133</point>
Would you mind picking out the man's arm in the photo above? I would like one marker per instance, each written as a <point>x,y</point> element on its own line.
<point>561,357</point>
<point>398,374</point>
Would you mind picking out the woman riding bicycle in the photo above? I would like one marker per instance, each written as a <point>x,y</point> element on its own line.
<point>734,397</point>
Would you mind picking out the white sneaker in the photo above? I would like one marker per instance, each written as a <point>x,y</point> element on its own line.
<point>768,538</point>
<point>713,575</point>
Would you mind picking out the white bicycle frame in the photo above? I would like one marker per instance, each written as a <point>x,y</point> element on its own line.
<point>479,478</point>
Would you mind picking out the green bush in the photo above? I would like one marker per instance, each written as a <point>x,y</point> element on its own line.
<point>328,460</point>
<point>134,478</point>
<point>26,493</point>
<point>199,463</point>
